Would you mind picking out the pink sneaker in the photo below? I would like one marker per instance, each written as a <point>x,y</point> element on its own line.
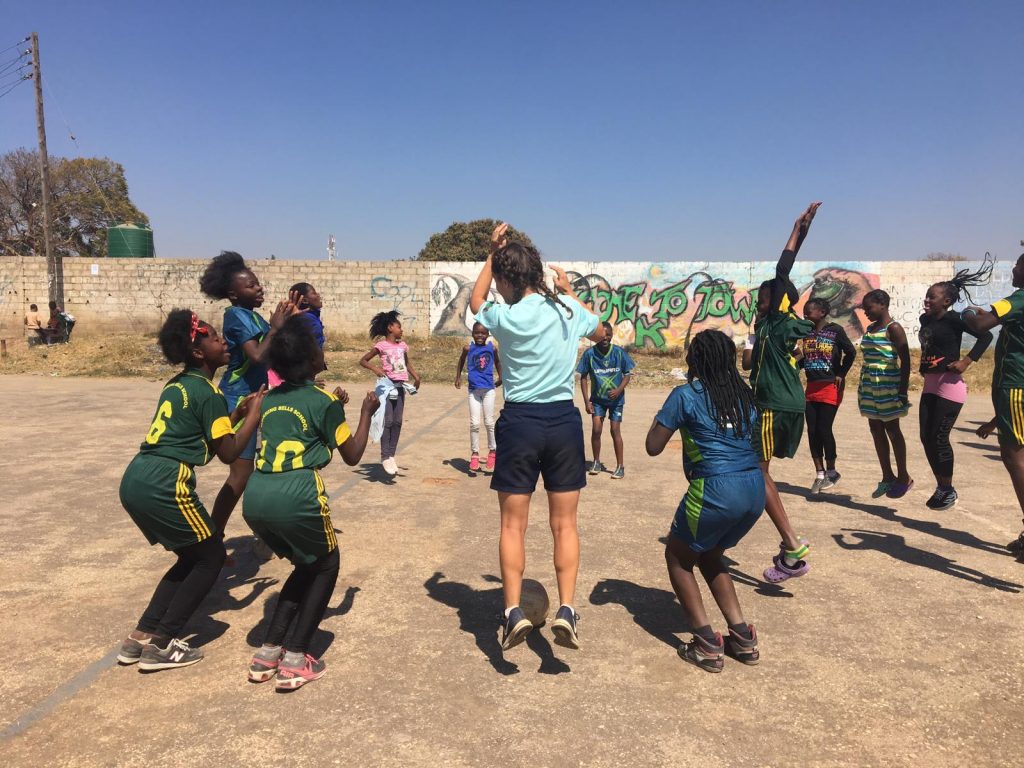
<point>474,463</point>
<point>492,457</point>
<point>289,678</point>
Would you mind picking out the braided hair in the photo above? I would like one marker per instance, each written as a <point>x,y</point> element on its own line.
<point>520,266</point>
<point>216,280</point>
<point>180,334</point>
<point>711,358</point>
<point>380,322</point>
<point>964,279</point>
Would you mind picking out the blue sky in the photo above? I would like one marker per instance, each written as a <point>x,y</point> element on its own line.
<point>607,130</point>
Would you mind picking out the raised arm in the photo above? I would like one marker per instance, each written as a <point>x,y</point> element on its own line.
<point>563,286</point>
<point>483,281</point>
<point>257,351</point>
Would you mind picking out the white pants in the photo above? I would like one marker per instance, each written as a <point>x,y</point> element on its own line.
<point>481,401</point>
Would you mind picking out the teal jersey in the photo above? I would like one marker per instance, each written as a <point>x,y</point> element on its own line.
<point>190,415</point>
<point>301,426</point>
<point>606,372</point>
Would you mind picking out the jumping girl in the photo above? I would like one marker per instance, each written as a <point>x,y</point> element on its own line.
<point>396,367</point>
<point>286,505</point>
<point>248,336</point>
<point>826,356</point>
<point>539,431</point>
<point>482,366</point>
<point>716,418</point>
<point>882,394</point>
<point>945,391</point>
<point>158,489</point>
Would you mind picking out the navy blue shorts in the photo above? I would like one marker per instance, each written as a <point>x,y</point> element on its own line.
<point>539,439</point>
<point>718,511</point>
<point>612,410</point>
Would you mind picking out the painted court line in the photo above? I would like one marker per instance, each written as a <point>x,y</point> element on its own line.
<point>90,674</point>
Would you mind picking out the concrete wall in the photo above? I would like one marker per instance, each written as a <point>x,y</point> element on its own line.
<point>657,305</point>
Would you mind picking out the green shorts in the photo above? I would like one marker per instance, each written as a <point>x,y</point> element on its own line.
<point>289,511</point>
<point>1009,407</point>
<point>160,496</point>
<point>778,434</point>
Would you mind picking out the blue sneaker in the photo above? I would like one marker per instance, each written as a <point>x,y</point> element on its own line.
<point>516,628</point>
<point>564,628</point>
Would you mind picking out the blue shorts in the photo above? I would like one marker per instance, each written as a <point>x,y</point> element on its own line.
<point>612,410</point>
<point>252,447</point>
<point>718,511</point>
<point>539,439</point>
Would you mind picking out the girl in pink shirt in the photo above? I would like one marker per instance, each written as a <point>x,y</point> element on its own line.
<point>394,364</point>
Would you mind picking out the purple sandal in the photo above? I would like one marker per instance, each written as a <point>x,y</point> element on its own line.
<point>779,571</point>
<point>898,490</point>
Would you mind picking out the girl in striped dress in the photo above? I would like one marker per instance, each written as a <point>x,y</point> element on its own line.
<point>882,395</point>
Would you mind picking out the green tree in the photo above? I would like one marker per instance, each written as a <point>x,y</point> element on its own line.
<point>464,241</point>
<point>87,195</point>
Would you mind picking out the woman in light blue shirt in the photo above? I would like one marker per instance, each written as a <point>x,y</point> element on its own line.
<point>540,431</point>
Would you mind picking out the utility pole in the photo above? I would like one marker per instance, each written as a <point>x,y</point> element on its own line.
<point>54,264</point>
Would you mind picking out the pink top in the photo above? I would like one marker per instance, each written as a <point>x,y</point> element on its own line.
<point>949,385</point>
<point>392,359</point>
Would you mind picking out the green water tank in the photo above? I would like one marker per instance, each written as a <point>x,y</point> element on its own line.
<point>130,241</point>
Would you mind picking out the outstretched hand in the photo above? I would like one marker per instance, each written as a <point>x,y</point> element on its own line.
<point>298,300</point>
<point>498,239</point>
<point>803,222</point>
<point>249,405</point>
<point>562,284</point>
<point>285,309</point>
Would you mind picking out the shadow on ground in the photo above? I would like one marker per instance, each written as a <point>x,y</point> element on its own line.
<point>321,640</point>
<point>479,612</point>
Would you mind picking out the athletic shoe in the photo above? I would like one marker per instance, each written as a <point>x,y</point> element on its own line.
<point>831,479</point>
<point>176,654</point>
<point>596,467</point>
<point>619,473</point>
<point>779,571</point>
<point>817,485</point>
<point>264,664</point>
<point>131,651</point>
<point>492,459</point>
<point>943,498</point>
<point>882,489</point>
<point>743,649</point>
<point>701,653</point>
<point>291,677</point>
<point>516,628</point>
<point>564,628</point>
<point>474,463</point>
<point>898,490</point>
<point>390,466</point>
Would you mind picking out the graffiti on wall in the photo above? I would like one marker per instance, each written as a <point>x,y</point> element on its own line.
<point>399,295</point>
<point>661,306</point>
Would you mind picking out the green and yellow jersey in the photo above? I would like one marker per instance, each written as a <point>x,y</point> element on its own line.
<point>1009,371</point>
<point>190,415</point>
<point>301,427</point>
<point>774,375</point>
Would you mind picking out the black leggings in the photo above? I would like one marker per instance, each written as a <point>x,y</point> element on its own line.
<point>303,598</point>
<point>938,415</point>
<point>183,587</point>
<point>819,430</point>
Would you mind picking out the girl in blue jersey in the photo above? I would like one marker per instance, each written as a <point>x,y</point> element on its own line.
<point>715,416</point>
<point>483,366</point>
<point>248,336</point>
<point>539,432</point>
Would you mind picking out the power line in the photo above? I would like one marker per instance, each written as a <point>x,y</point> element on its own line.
<point>18,74</point>
<point>19,82</point>
<point>20,42</point>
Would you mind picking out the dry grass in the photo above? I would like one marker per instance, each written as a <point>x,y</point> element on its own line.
<point>435,358</point>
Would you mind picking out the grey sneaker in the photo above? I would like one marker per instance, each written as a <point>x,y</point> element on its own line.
<point>264,664</point>
<point>619,473</point>
<point>176,654</point>
<point>831,479</point>
<point>817,485</point>
<point>596,467</point>
<point>131,651</point>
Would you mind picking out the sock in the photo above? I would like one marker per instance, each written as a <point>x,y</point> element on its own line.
<point>706,633</point>
<point>293,659</point>
<point>821,474</point>
<point>793,556</point>
<point>509,610</point>
<point>270,648</point>
<point>740,629</point>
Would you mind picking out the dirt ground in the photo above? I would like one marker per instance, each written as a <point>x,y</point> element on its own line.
<point>901,646</point>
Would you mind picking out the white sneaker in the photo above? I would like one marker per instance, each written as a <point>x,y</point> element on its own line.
<point>390,466</point>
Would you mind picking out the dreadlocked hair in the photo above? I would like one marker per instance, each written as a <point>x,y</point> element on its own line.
<point>520,266</point>
<point>216,280</point>
<point>175,336</point>
<point>380,322</point>
<point>964,279</point>
<point>292,350</point>
<point>711,358</point>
